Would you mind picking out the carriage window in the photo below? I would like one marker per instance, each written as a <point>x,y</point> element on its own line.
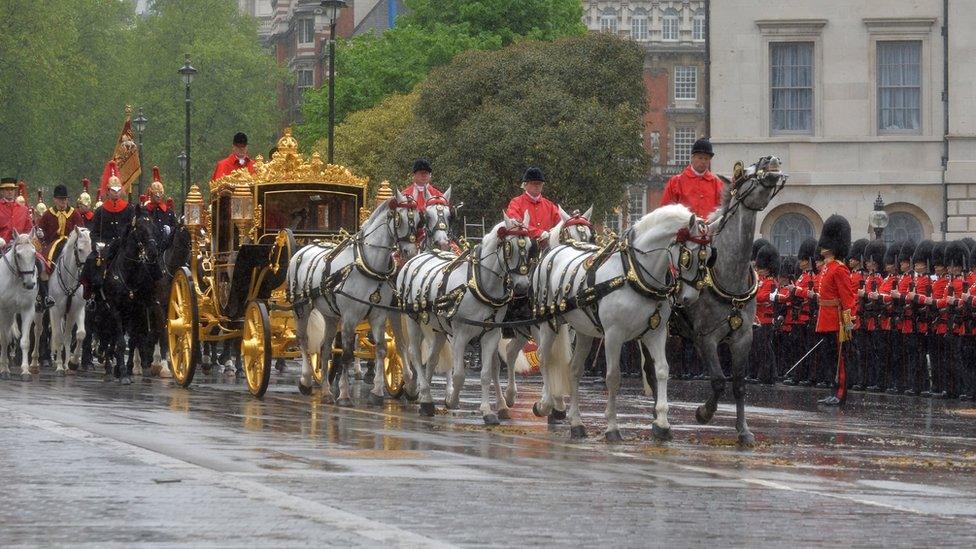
<point>789,231</point>
<point>902,226</point>
<point>309,211</point>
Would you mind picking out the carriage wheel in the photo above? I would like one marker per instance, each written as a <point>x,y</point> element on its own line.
<point>392,370</point>
<point>318,372</point>
<point>256,347</point>
<point>182,322</point>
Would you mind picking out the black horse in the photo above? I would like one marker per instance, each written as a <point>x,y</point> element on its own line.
<point>123,283</point>
<point>174,256</point>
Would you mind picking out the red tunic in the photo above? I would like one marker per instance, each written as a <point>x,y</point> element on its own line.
<point>56,226</point>
<point>230,164</point>
<point>764,300</point>
<point>14,216</point>
<point>873,283</point>
<point>701,194</point>
<point>418,195</point>
<point>543,214</point>
<point>836,295</point>
<point>805,285</point>
<point>889,284</point>
<point>785,297</point>
<point>857,283</point>
<point>921,286</point>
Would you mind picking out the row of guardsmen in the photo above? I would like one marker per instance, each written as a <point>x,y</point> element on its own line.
<point>914,318</point>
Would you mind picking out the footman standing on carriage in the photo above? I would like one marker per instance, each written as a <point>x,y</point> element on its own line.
<point>835,320</point>
<point>160,210</point>
<point>238,158</point>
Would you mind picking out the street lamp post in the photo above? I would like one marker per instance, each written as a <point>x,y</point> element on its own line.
<point>187,72</point>
<point>879,218</point>
<point>181,158</point>
<point>140,124</point>
<point>332,9</point>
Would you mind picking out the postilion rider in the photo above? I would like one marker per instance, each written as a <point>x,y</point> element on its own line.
<point>56,224</point>
<point>15,217</point>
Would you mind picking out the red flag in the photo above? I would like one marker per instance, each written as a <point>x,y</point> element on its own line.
<point>126,157</point>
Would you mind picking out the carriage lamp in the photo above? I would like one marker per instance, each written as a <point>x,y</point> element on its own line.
<point>242,209</point>
<point>193,209</point>
<point>879,218</point>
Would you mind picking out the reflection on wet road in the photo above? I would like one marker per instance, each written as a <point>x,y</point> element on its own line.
<point>84,461</point>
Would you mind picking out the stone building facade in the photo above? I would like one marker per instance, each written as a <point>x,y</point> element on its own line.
<point>851,95</point>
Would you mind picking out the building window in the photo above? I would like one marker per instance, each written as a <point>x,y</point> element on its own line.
<point>608,22</point>
<point>791,87</point>
<point>612,221</point>
<point>636,204</point>
<point>686,83</point>
<point>789,230</point>
<point>698,27</point>
<point>684,139</point>
<point>902,226</point>
<point>669,29</point>
<point>638,27</point>
<point>306,31</point>
<point>304,81</point>
<point>899,86</point>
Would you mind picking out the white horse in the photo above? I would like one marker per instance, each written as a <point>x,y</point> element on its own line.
<point>333,285</point>
<point>438,214</point>
<point>575,227</point>
<point>18,294</point>
<point>628,296</point>
<point>443,295</point>
<point>68,311</point>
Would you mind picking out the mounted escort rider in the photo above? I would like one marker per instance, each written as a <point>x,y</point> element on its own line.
<point>55,224</point>
<point>160,210</point>
<point>84,203</point>
<point>114,215</point>
<point>15,216</point>
<point>696,188</point>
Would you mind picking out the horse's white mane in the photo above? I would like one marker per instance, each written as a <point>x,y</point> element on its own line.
<point>668,218</point>
<point>490,241</point>
<point>380,210</point>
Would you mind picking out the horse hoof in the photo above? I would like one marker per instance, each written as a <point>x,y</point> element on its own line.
<point>577,432</point>
<point>660,433</point>
<point>510,401</point>
<point>73,366</point>
<point>614,436</point>
<point>491,419</point>
<point>358,376</point>
<point>374,400</point>
<point>126,380</point>
<point>427,409</point>
<point>747,440</point>
<point>537,410</point>
<point>25,377</point>
<point>280,365</point>
<point>504,413</point>
<point>558,415</point>
<point>155,369</point>
<point>700,415</point>
<point>344,402</point>
<point>411,396</point>
<point>449,405</point>
<point>304,389</point>
<point>553,419</point>
<point>59,373</point>
<point>4,375</point>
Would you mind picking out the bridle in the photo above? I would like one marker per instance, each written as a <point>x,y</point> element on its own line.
<point>706,254</point>
<point>444,213</point>
<point>79,264</point>
<point>525,248</point>
<point>411,224</point>
<point>576,220</point>
<point>15,267</point>
<point>768,175</point>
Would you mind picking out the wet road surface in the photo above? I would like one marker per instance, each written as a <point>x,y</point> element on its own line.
<point>85,462</point>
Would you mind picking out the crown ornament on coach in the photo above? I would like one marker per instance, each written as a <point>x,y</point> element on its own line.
<point>836,236</point>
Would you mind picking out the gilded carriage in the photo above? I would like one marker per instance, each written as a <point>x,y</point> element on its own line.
<point>234,286</point>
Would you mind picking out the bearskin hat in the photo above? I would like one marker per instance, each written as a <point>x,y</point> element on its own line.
<point>957,254</point>
<point>906,250</point>
<point>970,244</point>
<point>757,245</point>
<point>836,236</point>
<point>938,253</point>
<point>891,254</point>
<point>768,258</point>
<point>808,250</point>
<point>923,254</point>
<point>875,251</point>
<point>789,267</point>
<point>857,249</point>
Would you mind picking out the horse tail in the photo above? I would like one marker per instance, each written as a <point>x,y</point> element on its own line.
<point>314,331</point>
<point>557,363</point>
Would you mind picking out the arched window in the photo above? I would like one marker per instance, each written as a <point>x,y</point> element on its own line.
<point>608,22</point>
<point>789,230</point>
<point>902,226</point>
<point>638,25</point>
<point>669,28</point>
<point>698,27</point>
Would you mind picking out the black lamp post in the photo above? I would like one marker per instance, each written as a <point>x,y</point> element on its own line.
<point>187,72</point>
<point>332,9</point>
<point>181,158</point>
<point>879,218</point>
<point>140,124</point>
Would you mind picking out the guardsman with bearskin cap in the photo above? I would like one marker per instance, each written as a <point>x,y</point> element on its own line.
<point>967,326</point>
<point>915,288</point>
<point>160,210</point>
<point>891,321</point>
<point>835,318</point>
<point>806,293</point>
<point>871,314</point>
<point>767,267</point>
<point>784,318</point>
<point>938,319</point>
<point>855,263</point>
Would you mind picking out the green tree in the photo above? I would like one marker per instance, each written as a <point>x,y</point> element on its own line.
<point>364,140</point>
<point>506,19</point>
<point>573,107</point>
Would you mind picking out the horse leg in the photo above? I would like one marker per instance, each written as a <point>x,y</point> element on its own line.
<point>426,365</point>
<point>709,352</point>
<point>655,341</point>
<point>77,322</point>
<point>511,355</point>
<point>740,351</point>
<point>583,345</point>
<point>27,318</point>
<point>544,342</point>
<point>377,325</point>
<point>409,375</point>
<point>348,350</point>
<point>5,333</point>
<point>489,365</point>
<point>458,343</point>
<point>612,344</point>
<point>35,331</point>
<point>501,403</point>
<point>58,339</point>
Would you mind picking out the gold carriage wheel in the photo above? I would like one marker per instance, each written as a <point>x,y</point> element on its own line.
<point>182,327</point>
<point>256,347</point>
<point>318,372</point>
<point>392,370</point>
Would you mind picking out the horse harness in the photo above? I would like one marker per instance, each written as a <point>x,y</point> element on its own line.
<point>15,268</point>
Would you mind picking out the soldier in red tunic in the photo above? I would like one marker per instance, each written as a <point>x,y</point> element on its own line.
<point>13,215</point>
<point>84,204</point>
<point>238,158</point>
<point>891,319</point>
<point>872,312</point>
<point>420,186</point>
<point>805,292</point>
<point>767,267</point>
<point>835,320</point>
<point>855,263</point>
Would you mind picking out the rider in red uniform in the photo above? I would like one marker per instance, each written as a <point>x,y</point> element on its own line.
<point>835,320</point>
<point>420,186</point>
<point>543,214</point>
<point>238,158</point>
<point>13,215</point>
<point>696,187</point>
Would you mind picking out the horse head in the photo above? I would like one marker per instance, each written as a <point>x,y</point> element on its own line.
<point>142,235</point>
<point>403,222</point>
<point>692,255</point>
<point>439,214</point>
<point>755,186</point>
<point>81,244</point>
<point>520,252</point>
<point>22,259</point>
<point>574,227</point>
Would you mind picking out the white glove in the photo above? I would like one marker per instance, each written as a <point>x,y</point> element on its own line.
<point>3,243</point>
<point>166,230</point>
<point>544,235</point>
